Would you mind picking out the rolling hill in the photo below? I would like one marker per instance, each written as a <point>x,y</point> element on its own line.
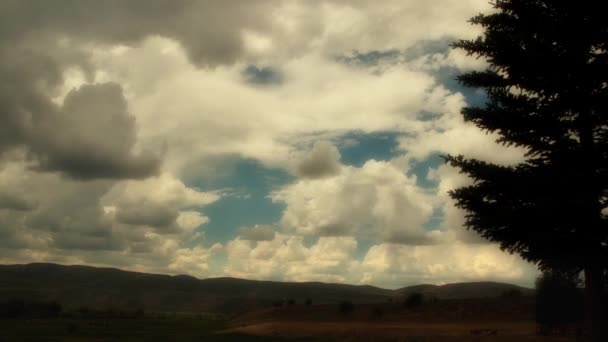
<point>105,288</point>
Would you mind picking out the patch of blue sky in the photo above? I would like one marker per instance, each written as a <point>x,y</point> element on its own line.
<point>363,246</point>
<point>356,148</point>
<point>447,77</point>
<point>421,168</point>
<point>247,185</point>
<point>435,220</point>
<point>262,75</point>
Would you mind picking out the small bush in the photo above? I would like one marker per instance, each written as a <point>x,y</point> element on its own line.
<point>512,294</point>
<point>308,302</point>
<point>413,300</point>
<point>346,307</point>
<point>377,312</point>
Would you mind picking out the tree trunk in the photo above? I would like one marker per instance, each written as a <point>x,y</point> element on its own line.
<point>594,303</point>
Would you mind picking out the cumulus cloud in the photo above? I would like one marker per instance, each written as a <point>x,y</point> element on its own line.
<point>97,137</point>
<point>15,201</point>
<point>330,259</point>
<point>377,196</point>
<point>151,215</point>
<point>257,233</point>
<point>400,265</point>
<point>97,222</point>
<point>161,202</point>
<point>322,161</point>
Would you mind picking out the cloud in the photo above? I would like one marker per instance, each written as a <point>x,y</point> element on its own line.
<point>158,216</point>
<point>160,202</point>
<point>97,137</point>
<point>90,136</point>
<point>401,265</point>
<point>14,201</point>
<point>376,201</point>
<point>257,233</point>
<point>330,259</point>
<point>209,30</point>
<point>322,161</point>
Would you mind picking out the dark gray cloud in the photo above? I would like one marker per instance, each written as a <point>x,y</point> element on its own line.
<point>149,215</point>
<point>68,215</point>
<point>257,233</point>
<point>92,136</point>
<point>262,75</point>
<point>322,161</point>
<point>88,242</point>
<point>336,229</point>
<point>407,237</point>
<point>15,201</point>
<point>40,39</point>
<point>209,30</point>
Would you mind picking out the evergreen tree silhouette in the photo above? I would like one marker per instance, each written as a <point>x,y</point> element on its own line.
<point>546,88</point>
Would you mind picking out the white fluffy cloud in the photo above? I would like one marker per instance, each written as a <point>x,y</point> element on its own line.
<point>399,265</point>
<point>330,259</point>
<point>377,200</point>
<point>390,265</point>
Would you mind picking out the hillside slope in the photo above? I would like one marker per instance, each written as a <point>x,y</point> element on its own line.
<point>105,288</point>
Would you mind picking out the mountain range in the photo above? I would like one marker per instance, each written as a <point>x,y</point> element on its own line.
<point>109,288</point>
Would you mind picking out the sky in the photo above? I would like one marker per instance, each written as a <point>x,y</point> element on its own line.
<point>275,140</point>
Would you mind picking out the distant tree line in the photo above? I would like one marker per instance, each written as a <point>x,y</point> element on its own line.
<point>27,309</point>
<point>19,308</point>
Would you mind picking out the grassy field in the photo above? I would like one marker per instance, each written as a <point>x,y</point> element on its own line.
<point>143,329</point>
<point>403,331</point>
<point>498,319</point>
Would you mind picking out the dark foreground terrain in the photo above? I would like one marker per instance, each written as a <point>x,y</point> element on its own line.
<point>141,329</point>
<point>276,326</point>
<point>47,302</point>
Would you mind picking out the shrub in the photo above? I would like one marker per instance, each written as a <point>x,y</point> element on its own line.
<point>346,307</point>
<point>377,312</point>
<point>512,294</point>
<point>413,300</point>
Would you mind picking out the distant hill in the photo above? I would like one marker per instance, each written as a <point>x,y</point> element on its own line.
<point>106,288</point>
<point>464,290</point>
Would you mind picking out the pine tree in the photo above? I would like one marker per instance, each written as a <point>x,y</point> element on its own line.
<point>547,92</point>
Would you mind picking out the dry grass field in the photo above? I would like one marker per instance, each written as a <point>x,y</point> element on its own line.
<point>459,320</point>
<point>400,331</point>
